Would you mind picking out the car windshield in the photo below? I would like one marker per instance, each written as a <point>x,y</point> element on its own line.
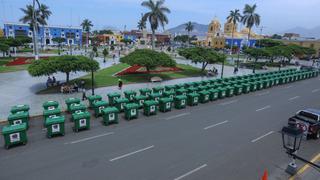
<point>308,116</point>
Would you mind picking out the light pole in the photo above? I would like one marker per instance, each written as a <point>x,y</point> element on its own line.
<point>291,139</point>
<point>92,75</point>
<point>34,34</point>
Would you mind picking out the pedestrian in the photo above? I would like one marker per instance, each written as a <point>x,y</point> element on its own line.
<point>82,83</point>
<point>114,56</point>
<point>120,84</point>
<point>84,95</point>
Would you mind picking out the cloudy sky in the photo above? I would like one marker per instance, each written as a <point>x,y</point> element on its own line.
<point>277,15</point>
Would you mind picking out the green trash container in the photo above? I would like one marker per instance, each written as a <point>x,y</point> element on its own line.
<point>238,89</point>
<point>192,90</point>
<point>193,99</point>
<point>259,85</point>
<point>169,94</point>
<point>266,84</point>
<point>214,94</point>
<point>222,92</point>
<point>150,107</point>
<point>169,88</point>
<point>51,113</point>
<point>19,118</point>
<point>55,126</point>
<point>98,106</point>
<point>204,96</point>
<point>131,111</point>
<point>77,108</point>
<point>155,96</point>
<point>50,105</point>
<point>178,86</point>
<point>202,88</point>
<point>158,90</point>
<point>197,83</point>
<point>14,135</point>
<point>229,91</point>
<point>180,102</point>
<point>19,108</point>
<point>190,84</point>
<point>81,121</point>
<point>110,115</point>
<point>165,104</point>
<point>145,92</point>
<point>120,103</point>
<point>140,100</point>
<point>70,101</point>
<point>206,83</point>
<point>181,91</point>
<point>253,86</point>
<point>93,99</point>
<point>276,81</point>
<point>246,88</point>
<point>112,97</point>
<point>130,95</point>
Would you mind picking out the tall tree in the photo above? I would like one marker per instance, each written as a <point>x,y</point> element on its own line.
<point>250,18</point>
<point>141,24</point>
<point>156,16</point>
<point>86,26</point>
<point>257,53</point>
<point>35,17</point>
<point>189,28</point>
<point>234,17</point>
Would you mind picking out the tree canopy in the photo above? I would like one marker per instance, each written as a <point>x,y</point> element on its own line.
<point>148,58</point>
<point>202,55</point>
<point>268,43</point>
<point>65,64</point>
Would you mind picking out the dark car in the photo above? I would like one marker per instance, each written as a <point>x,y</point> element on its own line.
<point>308,121</point>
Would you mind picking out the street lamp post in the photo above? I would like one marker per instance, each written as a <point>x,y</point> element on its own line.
<point>291,139</point>
<point>92,75</point>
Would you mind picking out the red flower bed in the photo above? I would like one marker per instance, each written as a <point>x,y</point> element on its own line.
<point>142,70</point>
<point>22,61</point>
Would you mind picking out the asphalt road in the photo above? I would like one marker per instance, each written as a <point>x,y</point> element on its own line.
<point>234,138</point>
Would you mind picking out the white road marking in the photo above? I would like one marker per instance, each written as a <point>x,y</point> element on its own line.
<point>287,87</point>
<point>228,102</point>
<point>176,116</point>
<point>214,125</point>
<point>257,139</point>
<point>315,90</point>
<point>266,107</point>
<point>132,153</point>
<point>293,98</point>
<point>261,94</point>
<point>191,172</point>
<point>89,138</point>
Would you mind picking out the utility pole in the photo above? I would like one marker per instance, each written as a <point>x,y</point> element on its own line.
<point>261,29</point>
<point>35,35</point>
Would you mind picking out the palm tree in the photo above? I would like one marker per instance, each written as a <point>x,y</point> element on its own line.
<point>189,28</point>
<point>156,16</point>
<point>141,24</point>
<point>86,26</point>
<point>35,17</point>
<point>250,18</point>
<point>234,17</point>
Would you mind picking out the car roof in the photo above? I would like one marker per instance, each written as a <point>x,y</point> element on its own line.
<point>313,111</point>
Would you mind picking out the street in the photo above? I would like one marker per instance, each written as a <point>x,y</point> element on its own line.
<point>234,138</point>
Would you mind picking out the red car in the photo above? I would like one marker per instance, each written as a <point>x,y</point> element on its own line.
<point>308,121</point>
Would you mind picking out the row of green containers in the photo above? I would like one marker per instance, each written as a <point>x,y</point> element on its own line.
<point>162,98</point>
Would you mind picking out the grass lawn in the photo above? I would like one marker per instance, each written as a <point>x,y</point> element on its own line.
<point>4,69</point>
<point>104,77</point>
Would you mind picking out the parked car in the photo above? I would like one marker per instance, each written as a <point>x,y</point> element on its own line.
<point>308,121</point>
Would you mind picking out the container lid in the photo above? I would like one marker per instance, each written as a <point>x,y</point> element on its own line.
<point>114,94</point>
<point>150,103</point>
<point>130,92</point>
<point>50,112</point>
<point>110,110</point>
<point>81,115</point>
<point>131,106</point>
<point>95,97</point>
<point>155,95</point>
<point>122,100</point>
<point>18,115</point>
<point>165,100</point>
<point>140,97</point>
<point>72,100</point>
<point>14,128</point>
<point>55,120</point>
<point>145,90</point>
<point>100,103</point>
<point>21,107</point>
<point>50,103</point>
<point>180,97</point>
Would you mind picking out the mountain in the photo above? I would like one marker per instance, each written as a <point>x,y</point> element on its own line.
<point>199,29</point>
<point>305,32</point>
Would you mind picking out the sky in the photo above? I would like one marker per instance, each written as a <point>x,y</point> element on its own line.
<point>276,15</point>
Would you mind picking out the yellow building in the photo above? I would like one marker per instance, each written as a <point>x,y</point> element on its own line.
<point>315,44</point>
<point>215,38</point>
<point>1,33</point>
